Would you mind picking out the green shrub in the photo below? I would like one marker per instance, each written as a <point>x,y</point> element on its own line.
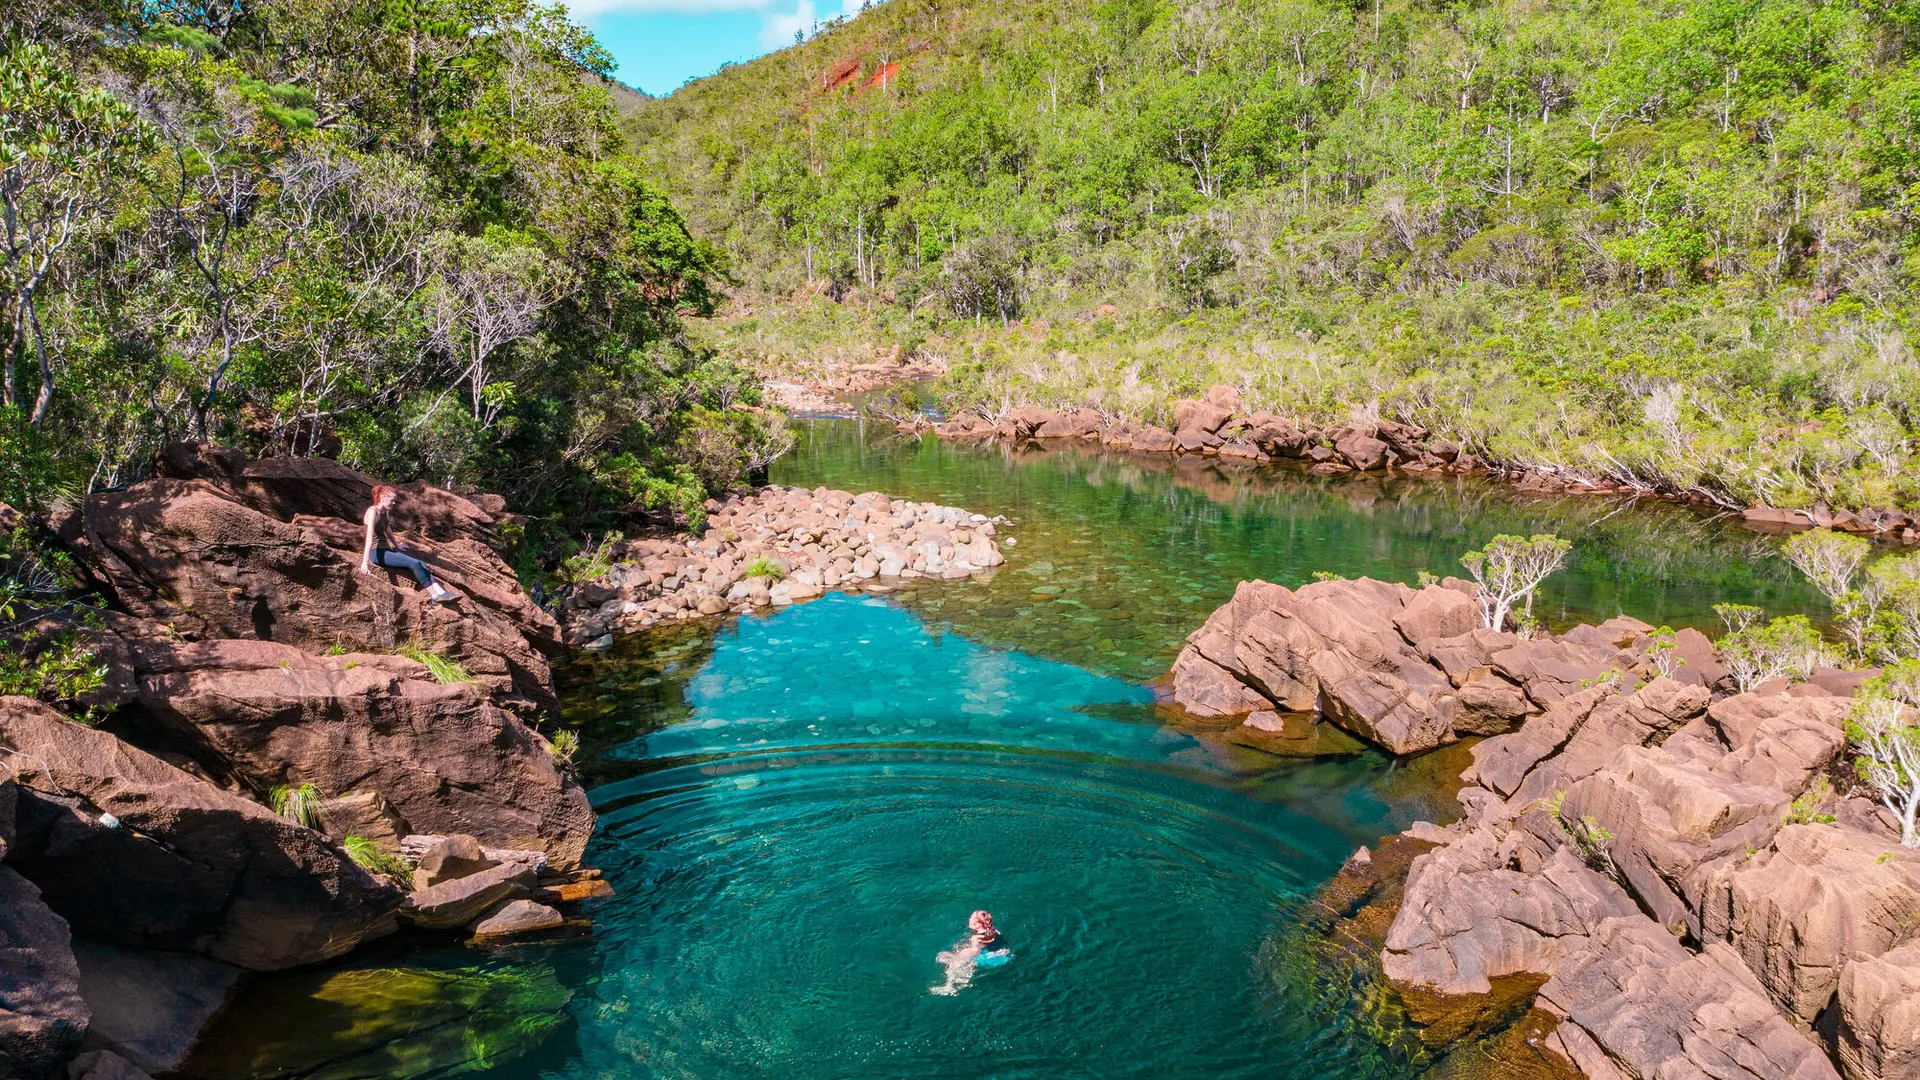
<point>1784,648</point>
<point>563,746</point>
<point>763,567</point>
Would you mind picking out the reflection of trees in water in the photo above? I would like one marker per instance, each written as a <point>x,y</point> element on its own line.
<point>1143,535</point>
<point>637,687</point>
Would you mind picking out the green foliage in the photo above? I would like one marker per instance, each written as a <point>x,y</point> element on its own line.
<point>1884,733</point>
<point>405,234</point>
<point>1805,810</point>
<point>563,746</point>
<point>1594,840</point>
<point>592,562</point>
<point>57,668</point>
<point>368,856</point>
<point>1783,648</point>
<point>1671,246</point>
<point>443,668</point>
<point>1508,571</point>
<point>1662,654</point>
<point>763,567</point>
<point>299,804</point>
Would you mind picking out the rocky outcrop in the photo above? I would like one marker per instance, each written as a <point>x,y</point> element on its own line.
<point>1410,669</point>
<point>133,851</point>
<point>1636,1002</point>
<point>1880,1016</point>
<point>798,541</point>
<point>1219,425</point>
<point>442,755</point>
<point>270,551</point>
<point>42,1016</point>
<point>1631,849</point>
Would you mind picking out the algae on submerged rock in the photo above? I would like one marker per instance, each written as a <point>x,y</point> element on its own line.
<point>383,1024</point>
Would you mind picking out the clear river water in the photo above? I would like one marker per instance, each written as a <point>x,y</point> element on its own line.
<point>799,810</point>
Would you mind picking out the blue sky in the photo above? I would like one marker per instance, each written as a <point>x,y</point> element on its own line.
<point>663,43</point>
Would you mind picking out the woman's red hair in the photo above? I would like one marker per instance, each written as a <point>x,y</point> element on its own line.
<point>381,491</point>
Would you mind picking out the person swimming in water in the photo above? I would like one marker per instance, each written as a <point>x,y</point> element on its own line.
<point>984,944</point>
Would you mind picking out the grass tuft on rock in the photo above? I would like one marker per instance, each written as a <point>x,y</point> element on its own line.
<point>442,667</point>
<point>367,856</point>
<point>299,804</point>
<point>766,568</point>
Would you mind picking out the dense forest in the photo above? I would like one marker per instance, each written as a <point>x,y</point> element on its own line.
<point>1667,243</point>
<point>401,232</point>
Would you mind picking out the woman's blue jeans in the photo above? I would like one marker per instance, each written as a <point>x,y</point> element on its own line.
<point>400,560</point>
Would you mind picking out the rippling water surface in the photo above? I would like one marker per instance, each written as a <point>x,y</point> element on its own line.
<point>799,810</point>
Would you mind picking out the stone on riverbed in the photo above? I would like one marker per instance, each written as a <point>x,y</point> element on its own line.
<point>518,917</point>
<point>459,901</point>
<point>812,539</point>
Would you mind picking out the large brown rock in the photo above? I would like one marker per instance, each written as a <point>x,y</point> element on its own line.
<point>133,851</point>
<point>203,559</point>
<point>518,917</point>
<point>448,858</point>
<point>459,901</point>
<point>1553,668</point>
<point>1339,648</point>
<point>1821,896</point>
<point>1641,718</point>
<point>1199,417</point>
<point>149,1007</point>
<point>1469,918</point>
<point>1654,1009</point>
<point>1777,740</point>
<point>1669,821</point>
<point>443,755</point>
<point>1361,450</point>
<point>1485,704</point>
<point>1880,1016</point>
<point>1435,613</point>
<point>1473,651</point>
<point>42,1016</point>
<point>1502,763</point>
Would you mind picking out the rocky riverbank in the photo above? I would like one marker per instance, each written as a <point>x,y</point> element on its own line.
<point>1666,877</point>
<point>287,757</point>
<point>773,547</point>
<point>1219,425</point>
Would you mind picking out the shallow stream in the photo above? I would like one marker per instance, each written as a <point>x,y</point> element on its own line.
<point>799,810</point>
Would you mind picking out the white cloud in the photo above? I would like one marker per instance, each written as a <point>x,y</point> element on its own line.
<point>777,28</point>
<point>586,9</point>
<point>787,11</point>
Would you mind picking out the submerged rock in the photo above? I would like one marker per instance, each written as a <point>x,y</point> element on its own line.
<point>383,1024</point>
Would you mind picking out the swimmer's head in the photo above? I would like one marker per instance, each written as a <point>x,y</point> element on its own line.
<point>980,920</point>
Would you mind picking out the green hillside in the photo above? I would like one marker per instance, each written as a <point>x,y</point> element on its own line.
<point>1672,244</point>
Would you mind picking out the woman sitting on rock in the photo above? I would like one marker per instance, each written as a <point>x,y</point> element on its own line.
<point>383,550</point>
